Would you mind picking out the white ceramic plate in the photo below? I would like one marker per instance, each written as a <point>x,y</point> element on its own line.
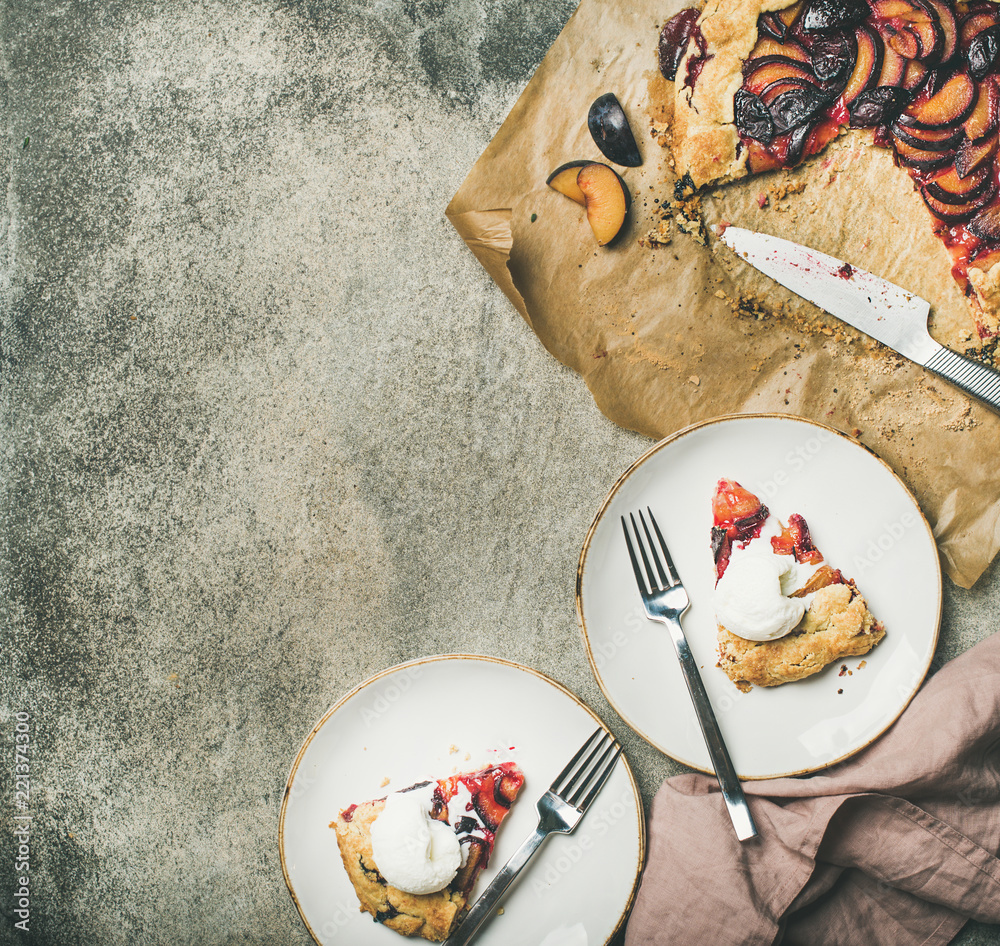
<point>863,520</point>
<point>415,721</point>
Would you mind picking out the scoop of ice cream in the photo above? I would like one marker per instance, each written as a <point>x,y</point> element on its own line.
<point>413,851</point>
<point>748,598</point>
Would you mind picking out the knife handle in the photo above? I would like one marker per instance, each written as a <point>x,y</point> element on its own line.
<point>973,377</point>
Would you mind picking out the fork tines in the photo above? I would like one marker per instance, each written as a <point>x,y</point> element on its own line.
<point>667,576</point>
<point>574,781</point>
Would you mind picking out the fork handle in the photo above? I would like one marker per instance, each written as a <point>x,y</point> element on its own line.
<point>732,791</point>
<point>485,906</point>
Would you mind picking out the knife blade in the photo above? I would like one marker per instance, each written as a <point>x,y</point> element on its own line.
<point>875,306</point>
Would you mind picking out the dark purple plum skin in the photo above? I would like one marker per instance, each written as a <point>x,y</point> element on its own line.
<point>878,106</point>
<point>828,16</point>
<point>612,133</point>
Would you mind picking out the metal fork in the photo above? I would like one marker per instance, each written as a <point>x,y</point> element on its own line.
<point>665,600</point>
<point>559,812</point>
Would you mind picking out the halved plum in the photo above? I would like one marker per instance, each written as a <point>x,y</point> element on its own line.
<point>833,16</point>
<point>982,52</point>
<point>950,105</point>
<point>877,106</point>
<point>611,131</point>
<point>833,56</point>
<point>753,120</point>
<point>797,107</point>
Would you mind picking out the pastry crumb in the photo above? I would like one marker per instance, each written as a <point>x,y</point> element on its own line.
<point>384,782</point>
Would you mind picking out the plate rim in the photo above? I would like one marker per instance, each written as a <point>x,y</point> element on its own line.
<point>358,688</point>
<point>666,442</point>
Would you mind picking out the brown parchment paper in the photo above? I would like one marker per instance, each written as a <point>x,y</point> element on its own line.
<point>671,335</point>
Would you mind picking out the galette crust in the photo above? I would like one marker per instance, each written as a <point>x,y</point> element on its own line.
<point>705,137</point>
<point>838,624</point>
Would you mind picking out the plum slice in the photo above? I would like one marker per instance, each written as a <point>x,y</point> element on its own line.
<point>947,24</point>
<point>920,159</point>
<point>985,115</point>
<point>950,188</point>
<point>893,68</point>
<point>950,105</point>
<point>986,225</point>
<point>910,16</point>
<point>769,49</point>
<point>753,120</point>
<point>563,179</point>
<point>867,65</point>
<point>974,24</point>
<point>766,72</point>
<point>607,200</point>
<point>958,213</point>
<point>781,23</point>
<point>674,39</point>
<point>611,131</point>
<point>877,106</point>
<point>929,139</point>
<point>832,16</point>
<point>974,154</point>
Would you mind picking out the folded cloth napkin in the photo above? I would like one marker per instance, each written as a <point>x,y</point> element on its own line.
<point>895,846</point>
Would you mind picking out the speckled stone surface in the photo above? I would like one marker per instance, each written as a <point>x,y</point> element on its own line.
<point>267,428</point>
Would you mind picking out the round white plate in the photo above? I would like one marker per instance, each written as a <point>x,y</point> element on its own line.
<point>864,521</point>
<point>436,716</point>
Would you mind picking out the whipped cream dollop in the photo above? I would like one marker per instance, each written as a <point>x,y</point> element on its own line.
<point>413,851</point>
<point>751,598</point>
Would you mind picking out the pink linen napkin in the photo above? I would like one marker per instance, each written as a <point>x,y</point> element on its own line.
<point>896,845</point>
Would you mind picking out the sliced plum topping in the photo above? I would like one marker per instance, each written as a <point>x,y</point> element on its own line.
<point>797,141</point>
<point>867,65</point>
<point>973,155</point>
<point>986,224</point>
<point>877,107</point>
<point>982,52</point>
<point>674,39</point>
<point>611,132</point>
<point>949,105</point>
<point>833,56</point>
<point>752,117</point>
<point>831,16</point>
<point>796,107</point>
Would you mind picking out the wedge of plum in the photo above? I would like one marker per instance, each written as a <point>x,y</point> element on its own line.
<point>600,189</point>
<point>611,132</point>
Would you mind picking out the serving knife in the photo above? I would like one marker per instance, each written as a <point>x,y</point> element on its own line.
<point>873,305</point>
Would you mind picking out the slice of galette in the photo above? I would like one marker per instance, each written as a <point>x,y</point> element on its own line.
<point>414,856</point>
<point>782,613</point>
<point>764,84</point>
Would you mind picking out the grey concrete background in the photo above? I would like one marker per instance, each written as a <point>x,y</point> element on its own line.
<point>268,428</point>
